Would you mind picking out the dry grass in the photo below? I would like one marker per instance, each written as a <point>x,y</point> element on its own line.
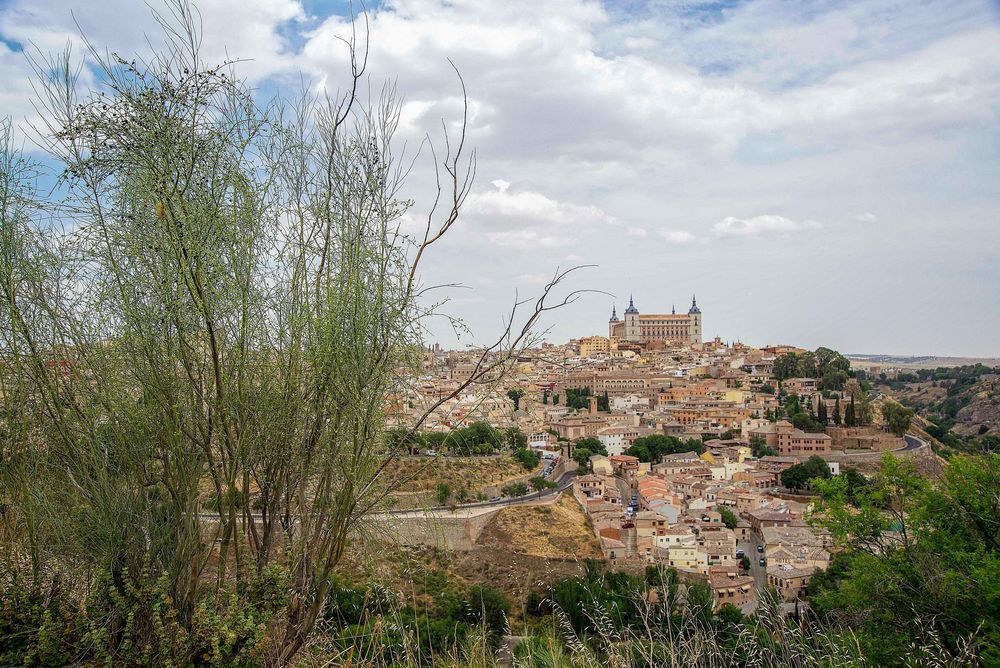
<point>421,474</point>
<point>558,531</point>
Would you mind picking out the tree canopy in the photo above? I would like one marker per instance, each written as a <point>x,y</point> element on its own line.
<point>652,448</point>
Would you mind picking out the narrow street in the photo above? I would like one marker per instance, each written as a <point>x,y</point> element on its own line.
<point>758,572</point>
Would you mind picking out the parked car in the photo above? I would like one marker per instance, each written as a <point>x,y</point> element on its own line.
<point>763,561</point>
<point>760,548</point>
<point>430,453</point>
<point>628,524</point>
<point>494,499</point>
<point>740,554</point>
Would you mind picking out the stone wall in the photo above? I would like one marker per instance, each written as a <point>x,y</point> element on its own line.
<point>453,533</point>
<point>863,438</point>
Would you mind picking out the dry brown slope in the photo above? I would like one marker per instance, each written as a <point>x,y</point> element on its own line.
<point>558,531</point>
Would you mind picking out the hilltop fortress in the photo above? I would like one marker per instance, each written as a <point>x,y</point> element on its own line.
<point>656,329</point>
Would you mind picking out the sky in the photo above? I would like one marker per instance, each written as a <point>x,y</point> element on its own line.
<point>818,173</point>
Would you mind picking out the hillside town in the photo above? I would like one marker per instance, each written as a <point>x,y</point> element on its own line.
<point>685,453</point>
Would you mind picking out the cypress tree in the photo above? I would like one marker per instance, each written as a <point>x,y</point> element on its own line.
<point>821,413</point>
<point>836,412</point>
<point>850,417</point>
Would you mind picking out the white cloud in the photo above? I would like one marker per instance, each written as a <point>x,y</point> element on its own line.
<point>605,119</point>
<point>760,226</point>
<point>534,279</point>
<point>528,239</point>
<point>505,204</point>
<point>679,237</point>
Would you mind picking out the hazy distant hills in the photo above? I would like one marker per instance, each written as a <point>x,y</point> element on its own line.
<point>918,362</point>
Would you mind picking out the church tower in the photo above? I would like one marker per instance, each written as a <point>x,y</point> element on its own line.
<point>632,331</point>
<point>613,321</point>
<point>694,317</point>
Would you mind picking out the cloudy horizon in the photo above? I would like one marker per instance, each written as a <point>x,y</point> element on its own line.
<point>821,173</point>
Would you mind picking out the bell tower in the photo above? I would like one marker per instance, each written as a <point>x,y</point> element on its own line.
<point>632,331</point>
<point>694,318</point>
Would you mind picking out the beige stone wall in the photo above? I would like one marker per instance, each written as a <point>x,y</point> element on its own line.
<point>863,438</point>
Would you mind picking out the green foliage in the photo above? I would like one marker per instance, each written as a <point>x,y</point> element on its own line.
<point>653,448</point>
<point>760,448</point>
<point>527,458</point>
<point>485,606</point>
<point>578,399</point>
<point>404,441</point>
<point>729,518</point>
<point>479,438</point>
<point>442,492</point>
<point>135,623</point>
<point>897,417</point>
<point>539,483</point>
<point>515,438</point>
<point>832,368</point>
<point>515,395</point>
<point>514,489</point>
<point>585,448</point>
<point>921,561</point>
<point>800,476</point>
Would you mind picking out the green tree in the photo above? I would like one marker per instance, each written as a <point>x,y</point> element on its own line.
<point>807,367</point>
<point>821,416</point>
<point>786,366</point>
<point>917,559</point>
<point>514,489</point>
<point>515,438</point>
<point>795,477</point>
<point>806,422</point>
<point>486,606</point>
<point>442,492</point>
<point>729,518</point>
<point>897,416</point>
<point>229,309</point>
<point>850,417</point>
<point>760,448</point>
<point>653,448</point>
<point>527,458</point>
<point>515,395</point>
<point>836,412</point>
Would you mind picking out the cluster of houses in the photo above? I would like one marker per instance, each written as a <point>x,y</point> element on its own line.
<point>674,513</point>
<point>617,390</point>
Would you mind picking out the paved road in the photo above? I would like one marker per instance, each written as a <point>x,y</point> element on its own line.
<point>461,510</point>
<point>565,481</point>
<point>759,573</point>
<point>912,443</point>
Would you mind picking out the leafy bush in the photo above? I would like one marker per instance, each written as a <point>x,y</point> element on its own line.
<point>527,458</point>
